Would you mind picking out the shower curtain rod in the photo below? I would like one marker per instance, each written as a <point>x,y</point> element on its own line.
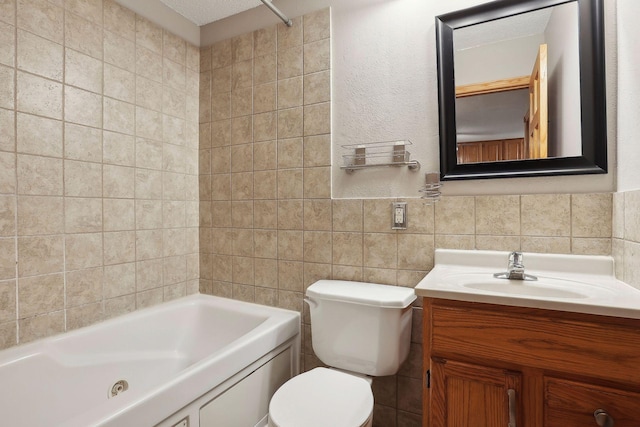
<point>277,12</point>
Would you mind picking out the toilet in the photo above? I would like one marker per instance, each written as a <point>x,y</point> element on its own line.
<point>360,330</point>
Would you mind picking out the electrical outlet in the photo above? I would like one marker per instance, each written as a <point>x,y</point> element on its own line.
<point>399,215</point>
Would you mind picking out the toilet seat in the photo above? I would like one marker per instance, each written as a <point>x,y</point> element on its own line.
<point>322,397</point>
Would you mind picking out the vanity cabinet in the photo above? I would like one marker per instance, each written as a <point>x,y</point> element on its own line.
<point>493,365</point>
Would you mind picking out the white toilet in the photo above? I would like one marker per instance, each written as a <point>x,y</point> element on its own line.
<point>361,330</point>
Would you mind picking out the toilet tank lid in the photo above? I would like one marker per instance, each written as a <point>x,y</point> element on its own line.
<point>363,293</point>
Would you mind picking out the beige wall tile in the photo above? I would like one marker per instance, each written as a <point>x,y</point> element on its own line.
<point>415,251</point>
<point>617,220</point>
<point>120,305</point>
<point>148,34</point>
<point>174,47</point>
<point>317,87</point>
<point>317,150</point>
<point>264,69</point>
<point>148,244</point>
<point>148,124</point>
<point>83,71</point>
<point>83,286</point>
<point>289,62</point>
<point>82,107</point>
<point>632,263</point>
<point>36,327</point>
<point>119,247</point>
<point>119,84</point>
<point>377,215</point>
<point>220,80</point>
<point>264,41</point>
<point>265,184</point>
<point>420,217</point>
<point>40,255</point>
<point>617,252</point>
<point>455,215</point>
<point>631,217</point>
<point>82,143</point>
<point>290,36</point>
<point>347,215</point>
<point>243,270</point>
<point>120,20</point>
<point>119,214</point>
<point>7,91</point>
<point>118,149</point>
<point>36,215</point>
<point>317,56</point>
<point>449,241</point>
<point>148,64</point>
<point>40,295</point>
<point>78,317</point>
<point>383,276</point>
<point>39,175</point>
<point>498,243</point>
<point>290,245</point>
<point>290,183</point>
<point>42,18</point>
<point>82,35</point>
<point>266,213</point>
<point>82,215</point>
<point>7,302</point>
<point>380,250</point>
<point>241,75</point>
<point>38,135</point>
<point>290,152</point>
<point>7,258</point>
<point>221,55</point>
<point>119,280</point>
<point>118,181</point>
<point>290,214</point>
<point>241,130</point>
<point>317,183</point>
<point>591,246</point>
<point>290,276</point>
<point>317,25</point>
<point>546,215</point>
<point>556,245</point>
<point>591,215</point>
<point>148,93</point>
<point>7,44</point>
<point>8,216</point>
<point>241,47</point>
<point>83,250</point>
<point>148,214</point>
<point>290,93</point>
<point>8,135</point>
<point>148,184</point>
<point>264,98</point>
<point>39,56</point>
<point>35,95</point>
<point>317,119</point>
<point>317,215</point>
<point>148,274</point>
<point>498,215</point>
<point>90,9</point>
<point>317,246</point>
<point>82,179</point>
<point>348,249</point>
<point>8,11</point>
<point>119,51</point>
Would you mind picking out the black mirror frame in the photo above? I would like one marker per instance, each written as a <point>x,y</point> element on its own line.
<point>592,94</point>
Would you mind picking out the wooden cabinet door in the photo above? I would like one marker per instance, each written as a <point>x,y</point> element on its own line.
<point>513,149</point>
<point>570,403</point>
<point>492,151</point>
<point>464,395</point>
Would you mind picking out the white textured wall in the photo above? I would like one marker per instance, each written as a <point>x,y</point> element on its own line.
<point>629,96</point>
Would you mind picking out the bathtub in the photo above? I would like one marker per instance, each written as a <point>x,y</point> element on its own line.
<point>198,361</point>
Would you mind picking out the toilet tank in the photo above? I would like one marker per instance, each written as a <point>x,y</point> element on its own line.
<point>360,327</point>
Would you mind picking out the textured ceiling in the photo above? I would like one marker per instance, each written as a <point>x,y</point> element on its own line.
<point>202,12</point>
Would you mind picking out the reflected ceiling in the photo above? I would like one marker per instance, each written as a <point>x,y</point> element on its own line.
<point>202,12</point>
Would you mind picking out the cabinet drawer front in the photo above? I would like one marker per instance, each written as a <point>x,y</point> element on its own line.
<point>569,403</point>
<point>513,336</point>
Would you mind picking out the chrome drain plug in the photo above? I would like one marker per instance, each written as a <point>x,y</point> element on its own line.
<point>119,387</point>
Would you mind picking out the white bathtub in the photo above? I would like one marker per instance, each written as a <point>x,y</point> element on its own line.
<point>183,360</point>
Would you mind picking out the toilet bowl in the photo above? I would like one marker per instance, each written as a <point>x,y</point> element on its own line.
<point>359,330</point>
<point>322,397</point>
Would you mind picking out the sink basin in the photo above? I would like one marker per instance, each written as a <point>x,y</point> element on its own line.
<point>578,283</point>
<point>544,287</point>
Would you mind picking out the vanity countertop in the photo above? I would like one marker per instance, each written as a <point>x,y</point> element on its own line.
<point>573,283</point>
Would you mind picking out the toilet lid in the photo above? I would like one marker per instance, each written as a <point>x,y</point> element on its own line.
<point>322,397</point>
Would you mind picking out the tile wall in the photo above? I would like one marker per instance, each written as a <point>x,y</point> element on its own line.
<point>626,236</point>
<point>98,165</point>
<point>269,227</point>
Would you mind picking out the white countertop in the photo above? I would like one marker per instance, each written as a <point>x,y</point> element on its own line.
<point>574,283</point>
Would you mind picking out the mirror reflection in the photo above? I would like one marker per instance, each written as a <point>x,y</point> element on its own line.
<point>518,87</point>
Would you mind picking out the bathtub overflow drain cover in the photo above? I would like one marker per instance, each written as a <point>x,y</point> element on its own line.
<point>119,387</point>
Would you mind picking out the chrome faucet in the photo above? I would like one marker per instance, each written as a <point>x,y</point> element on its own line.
<point>515,269</point>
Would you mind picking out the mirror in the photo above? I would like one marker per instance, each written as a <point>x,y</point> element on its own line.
<point>521,89</point>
